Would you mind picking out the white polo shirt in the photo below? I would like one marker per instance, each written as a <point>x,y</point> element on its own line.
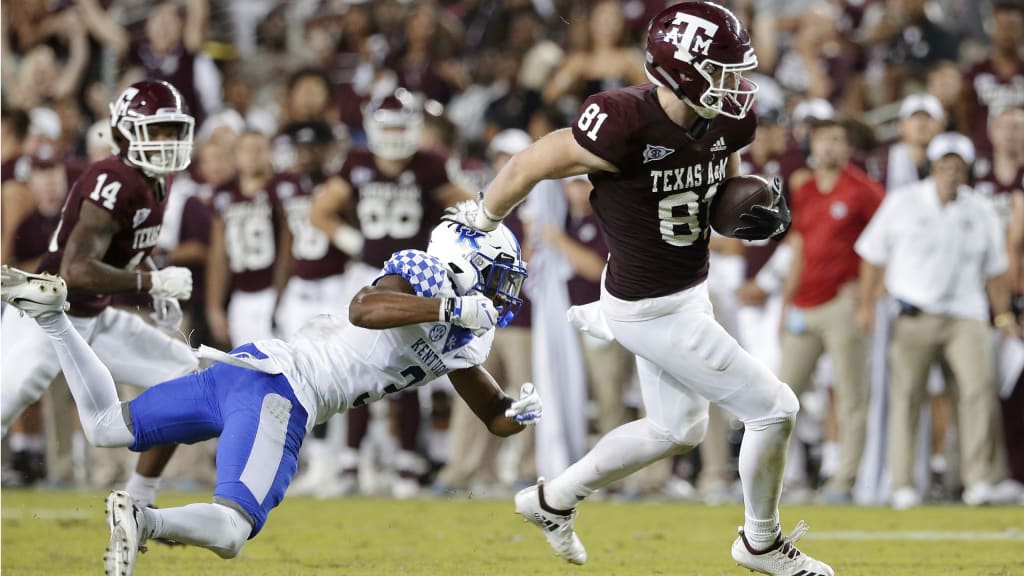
<point>936,257</point>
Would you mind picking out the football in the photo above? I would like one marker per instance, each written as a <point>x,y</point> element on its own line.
<point>736,196</point>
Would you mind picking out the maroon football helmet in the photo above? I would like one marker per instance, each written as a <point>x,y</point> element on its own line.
<point>142,107</point>
<point>698,50</point>
<point>393,124</point>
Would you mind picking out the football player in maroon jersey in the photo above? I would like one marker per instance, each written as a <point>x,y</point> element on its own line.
<point>109,226</point>
<point>395,191</point>
<point>317,266</point>
<point>244,246</point>
<point>656,155</point>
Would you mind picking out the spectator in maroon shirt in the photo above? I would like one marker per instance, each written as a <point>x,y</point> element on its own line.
<point>171,51</point>
<point>998,81</point>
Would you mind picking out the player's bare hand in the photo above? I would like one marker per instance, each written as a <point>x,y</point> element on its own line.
<point>475,312</point>
<point>167,314</point>
<point>471,213</point>
<point>528,409</point>
<point>171,282</point>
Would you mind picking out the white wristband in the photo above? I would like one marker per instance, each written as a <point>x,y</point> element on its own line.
<point>348,240</point>
<point>485,221</point>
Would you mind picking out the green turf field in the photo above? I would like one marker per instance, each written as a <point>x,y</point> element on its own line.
<point>57,533</point>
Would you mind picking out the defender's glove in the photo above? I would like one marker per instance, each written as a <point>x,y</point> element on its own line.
<point>475,312</point>
<point>171,282</point>
<point>348,240</point>
<point>763,222</point>
<point>167,314</point>
<point>528,408</point>
<point>472,213</point>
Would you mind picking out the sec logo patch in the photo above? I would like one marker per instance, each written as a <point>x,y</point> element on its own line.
<point>437,332</point>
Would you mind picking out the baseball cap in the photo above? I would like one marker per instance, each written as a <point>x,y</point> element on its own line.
<point>951,143</point>
<point>511,141</point>
<point>45,122</point>
<point>923,102</point>
<point>813,109</point>
<point>45,157</point>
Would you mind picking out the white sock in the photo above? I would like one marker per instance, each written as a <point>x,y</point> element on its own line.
<point>761,466</point>
<point>212,526</point>
<point>142,489</point>
<point>90,383</point>
<point>618,454</point>
<point>22,442</point>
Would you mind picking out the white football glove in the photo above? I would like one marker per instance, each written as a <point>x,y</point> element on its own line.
<point>473,214</point>
<point>528,408</point>
<point>348,240</point>
<point>171,282</point>
<point>167,314</point>
<point>475,312</point>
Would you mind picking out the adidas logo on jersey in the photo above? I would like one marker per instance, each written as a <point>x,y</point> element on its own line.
<point>719,145</point>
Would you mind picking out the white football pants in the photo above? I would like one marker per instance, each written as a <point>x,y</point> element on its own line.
<point>136,353</point>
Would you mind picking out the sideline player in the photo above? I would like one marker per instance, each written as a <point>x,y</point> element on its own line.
<point>109,225</point>
<point>428,314</point>
<point>656,154</point>
<point>395,191</point>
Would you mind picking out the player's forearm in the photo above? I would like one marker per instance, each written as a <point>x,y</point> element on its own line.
<point>95,277</point>
<point>380,310</point>
<point>486,399</point>
<point>499,424</point>
<point>584,261</point>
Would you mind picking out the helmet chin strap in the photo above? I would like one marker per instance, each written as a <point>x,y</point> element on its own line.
<point>703,121</point>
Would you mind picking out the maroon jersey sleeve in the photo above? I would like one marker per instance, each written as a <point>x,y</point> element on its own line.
<point>104,186</point>
<point>605,126</point>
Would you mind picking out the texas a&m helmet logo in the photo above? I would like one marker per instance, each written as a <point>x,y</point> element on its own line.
<point>692,36</point>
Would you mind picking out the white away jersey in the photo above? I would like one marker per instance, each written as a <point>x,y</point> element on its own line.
<point>334,365</point>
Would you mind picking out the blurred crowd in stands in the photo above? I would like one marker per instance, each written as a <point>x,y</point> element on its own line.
<point>897,331</point>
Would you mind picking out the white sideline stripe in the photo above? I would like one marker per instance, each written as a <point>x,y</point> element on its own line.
<point>933,535</point>
<point>47,514</point>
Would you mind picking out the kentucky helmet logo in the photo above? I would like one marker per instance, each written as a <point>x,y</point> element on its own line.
<point>654,153</point>
<point>469,236</point>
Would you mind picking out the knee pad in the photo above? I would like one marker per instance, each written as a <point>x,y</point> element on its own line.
<point>783,409</point>
<point>107,429</point>
<point>686,436</point>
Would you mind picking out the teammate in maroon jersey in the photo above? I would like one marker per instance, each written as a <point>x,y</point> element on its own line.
<point>396,192</point>
<point>317,266</point>
<point>656,154</point>
<point>244,247</point>
<point>109,226</point>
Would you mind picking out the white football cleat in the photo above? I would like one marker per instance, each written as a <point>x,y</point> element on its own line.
<point>33,294</point>
<point>319,473</point>
<point>905,498</point>
<point>780,559</point>
<point>127,524</point>
<point>556,524</point>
